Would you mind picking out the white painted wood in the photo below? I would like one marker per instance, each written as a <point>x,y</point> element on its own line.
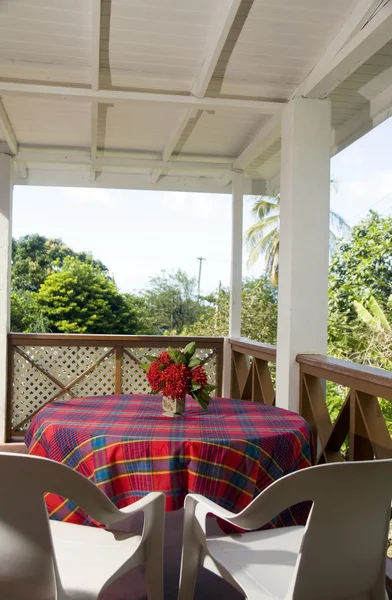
<point>266,136</point>
<point>360,48</point>
<point>177,132</point>
<point>5,278</point>
<point>226,178</point>
<point>7,129</point>
<point>95,43</point>
<point>375,112</point>
<point>236,254</point>
<point>155,175</point>
<point>255,106</point>
<point>304,241</point>
<point>218,39</point>
<point>80,177</point>
<point>48,158</point>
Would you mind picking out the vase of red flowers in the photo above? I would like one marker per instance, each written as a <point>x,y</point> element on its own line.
<point>175,373</point>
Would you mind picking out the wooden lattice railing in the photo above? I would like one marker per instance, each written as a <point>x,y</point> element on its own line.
<point>45,367</point>
<point>360,423</point>
<point>250,371</point>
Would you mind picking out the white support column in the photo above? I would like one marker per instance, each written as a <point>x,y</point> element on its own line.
<point>236,254</point>
<point>304,241</point>
<point>5,278</point>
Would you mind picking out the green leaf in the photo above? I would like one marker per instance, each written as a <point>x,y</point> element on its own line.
<point>150,357</point>
<point>145,367</point>
<point>182,358</point>
<point>194,362</point>
<point>174,354</point>
<point>195,386</point>
<point>209,388</point>
<point>162,367</point>
<point>189,350</point>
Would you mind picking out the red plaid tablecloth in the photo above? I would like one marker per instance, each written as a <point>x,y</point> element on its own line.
<point>128,448</point>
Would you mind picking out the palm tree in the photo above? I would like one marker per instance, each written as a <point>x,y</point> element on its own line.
<point>262,238</point>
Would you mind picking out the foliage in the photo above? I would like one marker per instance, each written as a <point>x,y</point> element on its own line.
<point>259,313</point>
<point>26,314</point>
<point>34,257</point>
<point>262,238</point>
<point>176,373</point>
<point>362,267</point>
<point>80,298</point>
<point>170,303</point>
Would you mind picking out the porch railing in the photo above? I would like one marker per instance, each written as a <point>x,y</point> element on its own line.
<point>360,423</point>
<point>251,372</point>
<point>46,367</point>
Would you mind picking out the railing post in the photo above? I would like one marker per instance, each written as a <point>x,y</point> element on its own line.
<point>5,280</point>
<point>236,256</point>
<point>227,368</point>
<point>304,241</point>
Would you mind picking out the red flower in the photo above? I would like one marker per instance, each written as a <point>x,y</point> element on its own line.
<point>164,358</point>
<point>154,377</point>
<point>199,375</point>
<point>177,378</point>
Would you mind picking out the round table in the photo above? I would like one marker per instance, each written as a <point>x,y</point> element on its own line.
<point>126,446</point>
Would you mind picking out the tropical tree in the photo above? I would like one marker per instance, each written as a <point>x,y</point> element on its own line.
<point>262,238</point>
<point>79,298</point>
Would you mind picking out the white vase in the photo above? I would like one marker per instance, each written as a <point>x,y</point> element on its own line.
<point>172,407</point>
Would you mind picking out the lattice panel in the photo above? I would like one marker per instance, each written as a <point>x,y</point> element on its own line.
<point>210,367</point>
<point>134,378</point>
<point>64,362</point>
<point>100,382</point>
<point>31,390</point>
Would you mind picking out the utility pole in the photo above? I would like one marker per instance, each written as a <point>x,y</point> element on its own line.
<point>200,259</point>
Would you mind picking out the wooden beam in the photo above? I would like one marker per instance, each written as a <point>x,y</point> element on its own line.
<point>155,175</point>
<point>372,37</point>
<point>117,96</point>
<point>226,178</point>
<point>177,132</point>
<point>79,177</point>
<point>264,138</point>
<point>48,158</point>
<point>8,131</point>
<point>219,37</point>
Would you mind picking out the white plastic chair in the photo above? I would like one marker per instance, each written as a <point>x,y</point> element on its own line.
<point>52,560</point>
<point>339,555</point>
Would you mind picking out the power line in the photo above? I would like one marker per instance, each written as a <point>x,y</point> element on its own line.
<point>371,206</point>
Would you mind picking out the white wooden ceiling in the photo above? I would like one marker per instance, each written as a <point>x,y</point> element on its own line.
<point>170,94</point>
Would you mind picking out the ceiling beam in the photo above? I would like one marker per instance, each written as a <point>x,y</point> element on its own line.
<point>8,131</point>
<point>83,159</point>
<point>326,76</point>
<point>95,76</point>
<point>374,112</point>
<point>264,138</point>
<point>135,181</point>
<point>219,37</point>
<point>78,93</point>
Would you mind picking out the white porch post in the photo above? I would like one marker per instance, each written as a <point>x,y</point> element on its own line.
<point>5,278</point>
<point>304,241</point>
<point>236,273</point>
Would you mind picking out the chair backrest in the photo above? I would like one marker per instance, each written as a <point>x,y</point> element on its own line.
<point>27,563</point>
<point>343,552</point>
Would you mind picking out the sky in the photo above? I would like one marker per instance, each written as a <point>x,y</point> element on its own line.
<point>138,234</point>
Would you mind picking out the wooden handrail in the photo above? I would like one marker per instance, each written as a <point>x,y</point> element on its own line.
<point>370,380</point>
<point>20,339</point>
<point>255,349</point>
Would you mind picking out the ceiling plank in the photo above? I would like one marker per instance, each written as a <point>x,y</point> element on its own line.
<point>251,106</point>
<point>8,131</point>
<point>95,76</point>
<point>219,37</point>
<point>326,76</point>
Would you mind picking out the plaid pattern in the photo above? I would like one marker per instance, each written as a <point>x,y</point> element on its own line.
<point>128,448</point>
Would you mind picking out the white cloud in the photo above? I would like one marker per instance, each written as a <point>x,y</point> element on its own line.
<point>98,196</point>
<point>175,201</point>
